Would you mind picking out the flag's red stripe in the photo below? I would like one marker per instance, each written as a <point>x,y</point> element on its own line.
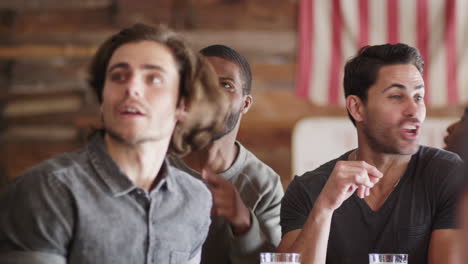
<point>393,33</point>
<point>336,53</point>
<point>363,31</point>
<point>451,50</point>
<point>305,48</point>
<point>422,40</point>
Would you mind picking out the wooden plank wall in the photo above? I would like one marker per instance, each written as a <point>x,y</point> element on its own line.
<point>45,47</point>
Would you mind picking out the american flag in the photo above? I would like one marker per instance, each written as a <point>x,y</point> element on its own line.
<point>332,31</point>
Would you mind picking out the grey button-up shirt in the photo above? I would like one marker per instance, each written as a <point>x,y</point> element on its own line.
<point>81,208</point>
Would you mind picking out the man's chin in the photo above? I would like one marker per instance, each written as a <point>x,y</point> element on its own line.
<point>219,136</point>
<point>397,149</point>
<point>226,131</point>
<point>129,139</point>
<point>409,150</point>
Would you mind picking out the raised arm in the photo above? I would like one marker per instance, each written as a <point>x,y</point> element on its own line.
<point>262,233</point>
<point>312,239</point>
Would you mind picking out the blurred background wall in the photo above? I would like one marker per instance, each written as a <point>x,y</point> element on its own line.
<point>47,108</point>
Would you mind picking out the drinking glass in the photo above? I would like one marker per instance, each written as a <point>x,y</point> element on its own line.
<point>388,258</point>
<point>280,258</point>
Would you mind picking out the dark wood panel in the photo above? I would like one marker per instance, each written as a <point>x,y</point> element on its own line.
<point>44,5</point>
<point>35,22</point>
<point>38,120</point>
<point>255,45</point>
<point>38,51</point>
<point>24,155</point>
<point>128,12</point>
<point>71,26</point>
<point>51,74</point>
<point>6,67</point>
<point>4,179</point>
<point>272,146</point>
<point>267,15</point>
<point>273,76</point>
<point>258,46</point>
<point>184,15</point>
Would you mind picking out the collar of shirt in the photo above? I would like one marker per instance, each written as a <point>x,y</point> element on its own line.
<point>238,164</point>
<point>235,169</point>
<point>115,179</point>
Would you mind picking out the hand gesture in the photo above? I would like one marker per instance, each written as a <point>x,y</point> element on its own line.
<point>346,178</point>
<point>227,202</point>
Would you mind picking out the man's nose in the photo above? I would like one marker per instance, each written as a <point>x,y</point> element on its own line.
<point>412,108</point>
<point>134,88</point>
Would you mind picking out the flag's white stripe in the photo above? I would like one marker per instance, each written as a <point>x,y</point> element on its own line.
<point>377,22</point>
<point>462,49</point>
<point>407,22</point>
<point>348,38</point>
<point>437,69</point>
<point>321,49</point>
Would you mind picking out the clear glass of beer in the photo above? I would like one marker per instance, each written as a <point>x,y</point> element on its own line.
<point>388,258</point>
<point>280,258</point>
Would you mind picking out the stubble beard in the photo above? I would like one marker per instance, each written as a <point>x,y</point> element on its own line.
<point>118,137</point>
<point>381,140</point>
<point>230,124</point>
<point>122,140</point>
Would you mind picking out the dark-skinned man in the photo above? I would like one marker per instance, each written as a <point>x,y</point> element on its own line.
<point>246,192</point>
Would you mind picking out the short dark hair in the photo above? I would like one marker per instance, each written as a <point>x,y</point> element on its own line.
<point>205,100</point>
<point>361,71</point>
<point>233,56</point>
<point>184,57</point>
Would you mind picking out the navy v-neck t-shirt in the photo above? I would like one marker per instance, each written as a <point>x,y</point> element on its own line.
<point>424,200</point>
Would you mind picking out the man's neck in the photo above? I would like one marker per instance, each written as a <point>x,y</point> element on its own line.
<point>218,156</point>
<point>382,160</point>
<point>392,166</point>
<point>140,162</point>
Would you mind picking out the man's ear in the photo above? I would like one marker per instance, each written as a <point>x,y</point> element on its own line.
<point>181,110</point>
<point>355,107</point>
<point>247,103</point>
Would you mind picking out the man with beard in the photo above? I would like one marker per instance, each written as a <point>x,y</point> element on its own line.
<point>118,200</point>
<point>390,195</point>
<point>246,192</point>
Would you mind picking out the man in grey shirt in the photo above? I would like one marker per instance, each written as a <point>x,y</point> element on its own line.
<point>246,192</point>
<point>117,200</point>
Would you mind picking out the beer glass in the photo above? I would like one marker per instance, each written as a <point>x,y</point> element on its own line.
<point>388,258</point>
<point>280,258</point>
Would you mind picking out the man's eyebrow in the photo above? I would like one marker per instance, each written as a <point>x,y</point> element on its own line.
<point>118,65</point>
<point>226,79</point>
<point>144,66</point>
<point>401,86</point>
<point>394,85</point>
<point>153,67</point>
